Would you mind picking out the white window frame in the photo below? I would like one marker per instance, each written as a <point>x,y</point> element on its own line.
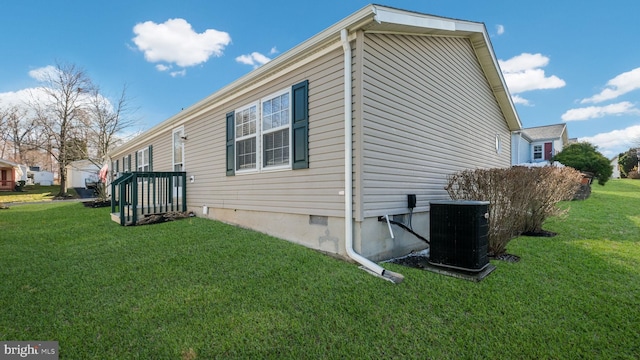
<point>180,132</point>
<point>115,170</point>
<point>125,164</point>
<point>259,135</point>
<point>263,132</point>
<point>255,135</point>
<point>533,153</point>
<point>141,165</point>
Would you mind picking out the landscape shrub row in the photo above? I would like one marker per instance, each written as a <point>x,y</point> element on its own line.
<point>520,198</point>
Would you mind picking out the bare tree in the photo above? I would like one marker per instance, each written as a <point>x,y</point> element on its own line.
<point>60,109</point>
<point>107,119</point>
<point>17,132</point>
<point>4,133</point>
<point>103,122</point>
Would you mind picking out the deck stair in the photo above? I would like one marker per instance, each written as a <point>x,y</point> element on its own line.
<point>148,193</point>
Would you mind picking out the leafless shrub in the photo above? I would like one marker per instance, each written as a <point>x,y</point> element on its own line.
<point>520,198</point>
<point>548,186</point>
<point>633,174</point>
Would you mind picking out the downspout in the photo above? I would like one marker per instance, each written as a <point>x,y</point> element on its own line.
<point>368,265</point>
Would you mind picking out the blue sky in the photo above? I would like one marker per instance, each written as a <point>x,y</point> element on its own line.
<point>564,61</point>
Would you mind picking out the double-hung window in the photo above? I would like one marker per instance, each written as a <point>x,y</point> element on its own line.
<point>262,134</point>
<point>178,149</point>
<point>126,164</point>
<point>271,134</point>
<point>246,138</point>
<point>275,131</point>
<point>143,160</point>
<point>116,168</point>
<point>178,156</point>
<point>537,152</point>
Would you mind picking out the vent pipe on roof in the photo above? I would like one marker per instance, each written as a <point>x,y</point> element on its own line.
<point>367,264</point>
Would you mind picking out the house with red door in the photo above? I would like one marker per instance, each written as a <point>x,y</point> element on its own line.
<point>10,173</point>
<point>538,144</point>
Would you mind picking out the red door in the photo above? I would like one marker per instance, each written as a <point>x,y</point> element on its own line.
<point>4,178</point>
<point>548,151</point>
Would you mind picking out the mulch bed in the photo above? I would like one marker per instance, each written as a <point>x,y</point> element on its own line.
<point>415,261</point>
<point>168,216</point>
<point>542,233</point>
<point>420,261</point>
<point>96,204</point>
<point>506,257</point>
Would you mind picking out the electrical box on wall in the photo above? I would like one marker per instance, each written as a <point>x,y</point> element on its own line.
<point>411,201</point>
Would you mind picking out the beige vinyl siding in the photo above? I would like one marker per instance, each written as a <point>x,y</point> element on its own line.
<point>428,111</point>
<point>312,191</point>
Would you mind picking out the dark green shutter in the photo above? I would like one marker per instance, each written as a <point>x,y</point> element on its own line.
<point>129,163</point>
<point>300,125</point>
<point>117,167</point>
<point>150,157</point>
<point>231,126</point>
<point>136,168</point>
<point>124,163</point>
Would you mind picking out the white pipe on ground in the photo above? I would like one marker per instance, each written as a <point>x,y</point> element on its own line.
<point>348,175</point>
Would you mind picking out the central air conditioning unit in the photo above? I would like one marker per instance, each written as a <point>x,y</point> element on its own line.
<point>459,234</point>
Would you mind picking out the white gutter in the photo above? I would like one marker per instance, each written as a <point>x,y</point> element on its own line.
<point>348,176</point>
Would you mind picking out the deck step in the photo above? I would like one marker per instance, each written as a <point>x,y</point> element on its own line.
<point>115,217</point>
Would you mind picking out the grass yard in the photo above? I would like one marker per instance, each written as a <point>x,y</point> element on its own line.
<point>32,193</point>
<point>199,289</point>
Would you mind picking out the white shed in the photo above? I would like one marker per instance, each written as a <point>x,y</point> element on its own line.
<point>79,170</point>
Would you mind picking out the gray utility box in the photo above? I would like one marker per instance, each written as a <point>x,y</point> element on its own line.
<point>459,234</point>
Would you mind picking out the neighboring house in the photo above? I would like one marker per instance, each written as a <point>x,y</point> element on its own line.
<point>281,151</point>
<point>10,173</point>
<point>538,144</point>
<point>79,171</point>
<point>616,168</point>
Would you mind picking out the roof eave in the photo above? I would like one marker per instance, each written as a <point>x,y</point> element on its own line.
<point>332,33</point>
<point>369,16</point>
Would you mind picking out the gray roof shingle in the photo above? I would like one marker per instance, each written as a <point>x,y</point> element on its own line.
<point>545,132</point>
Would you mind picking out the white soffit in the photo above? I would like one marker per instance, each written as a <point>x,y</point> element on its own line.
<point>434,23</point>
<point>390,16</point>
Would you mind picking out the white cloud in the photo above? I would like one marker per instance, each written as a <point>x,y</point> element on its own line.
<point>273,51</point>
<point>43,73</point>
<point>523,73</point>
<point>175,41</point>
<point>162,67</point>
<point>180,73</point>
<point>254,59</point>
<point>522,62</point>
<point>517,99</point>
<point>500,29</point>
<point>619,85</point>
<point>594,112</point>
<point>24,98</point>
<point>614,142</point>
<point>15,98</point>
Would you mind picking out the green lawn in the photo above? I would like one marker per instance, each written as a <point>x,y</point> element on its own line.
<point>198,289</point>
<point>33,193</point>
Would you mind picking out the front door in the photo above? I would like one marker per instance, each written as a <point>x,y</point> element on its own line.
<point>5,179</point>
<point>548,151</point>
